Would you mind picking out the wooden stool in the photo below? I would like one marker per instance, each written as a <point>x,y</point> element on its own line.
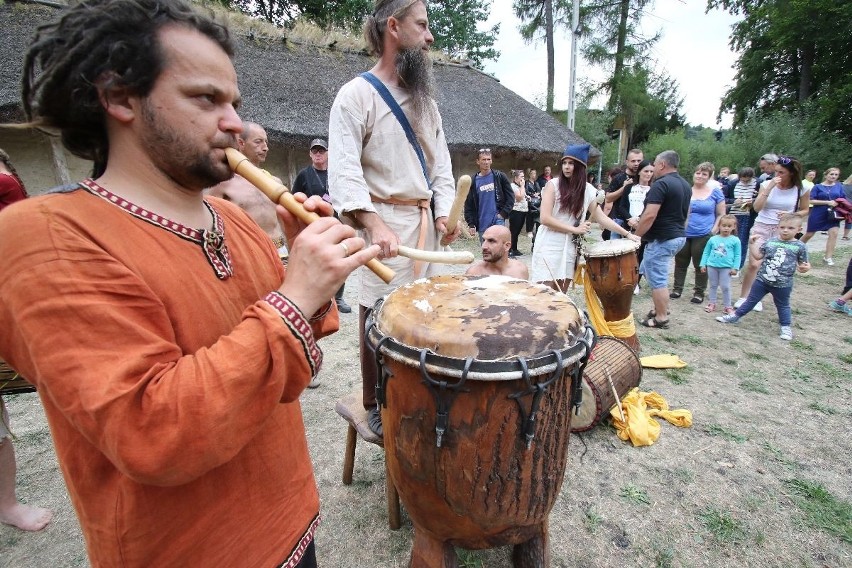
<point>351,408</point>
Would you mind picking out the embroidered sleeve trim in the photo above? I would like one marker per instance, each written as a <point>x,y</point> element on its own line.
<point>299,551</point>
<point>299,326</point>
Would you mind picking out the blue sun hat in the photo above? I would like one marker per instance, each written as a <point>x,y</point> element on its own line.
<point>578,152</point>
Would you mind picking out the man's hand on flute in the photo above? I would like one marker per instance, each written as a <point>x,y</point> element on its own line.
<point>322,255</point>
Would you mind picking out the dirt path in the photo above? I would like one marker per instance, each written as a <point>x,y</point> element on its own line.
<point>769,416</point>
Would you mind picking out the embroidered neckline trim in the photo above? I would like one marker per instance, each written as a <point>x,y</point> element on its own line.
<point>211,241</point>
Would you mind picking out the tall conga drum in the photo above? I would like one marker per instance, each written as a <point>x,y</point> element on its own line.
<point>478,380</point>
<point>614,270</point>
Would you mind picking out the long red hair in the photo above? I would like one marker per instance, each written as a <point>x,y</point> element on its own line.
<point>572,190</point>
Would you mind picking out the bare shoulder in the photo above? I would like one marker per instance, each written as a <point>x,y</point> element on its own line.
<point>517,269</point>
<point>478,268</point>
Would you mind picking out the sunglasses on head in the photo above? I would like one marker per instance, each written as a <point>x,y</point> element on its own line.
<point>485,150</point>
<point>784,160</point>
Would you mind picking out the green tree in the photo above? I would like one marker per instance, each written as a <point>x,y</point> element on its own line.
<point>342,14</point>
<point>454,23</point>
<point>538,23</point>
<point>792,52</point>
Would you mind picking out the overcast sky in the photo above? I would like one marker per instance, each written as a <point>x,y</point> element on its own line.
<point>693,49</point>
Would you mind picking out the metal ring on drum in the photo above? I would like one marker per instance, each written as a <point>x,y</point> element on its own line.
<point>613,267</point>
<point>478,381</point>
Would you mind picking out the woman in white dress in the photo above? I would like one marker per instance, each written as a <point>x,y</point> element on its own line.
<point>566,201</point>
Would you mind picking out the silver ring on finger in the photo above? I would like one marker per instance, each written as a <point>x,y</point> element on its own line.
<point>345,249</point>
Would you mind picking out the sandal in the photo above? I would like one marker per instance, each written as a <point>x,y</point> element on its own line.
<point>710,308</point>
<point>654,322</point>
<point>652,314</point>
<point>696,299</point>
<point>675,295</point>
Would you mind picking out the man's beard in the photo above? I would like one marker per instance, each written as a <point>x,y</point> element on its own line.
<point>414,69</point>
<point>493,257</point>
<point>179,156</point>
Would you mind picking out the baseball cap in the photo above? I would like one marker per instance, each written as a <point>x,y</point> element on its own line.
<point>319,142</point>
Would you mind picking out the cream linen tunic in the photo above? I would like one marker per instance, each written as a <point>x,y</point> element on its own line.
<point>369,154</point>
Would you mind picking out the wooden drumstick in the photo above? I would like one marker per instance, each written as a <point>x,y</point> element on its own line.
<point>462,187</point>
<point>279,194</point>
<point>438,256</point>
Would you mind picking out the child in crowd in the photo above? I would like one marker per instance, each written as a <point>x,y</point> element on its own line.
<point>720,261</point>
<point>744,193</point>
<point>782,256</point>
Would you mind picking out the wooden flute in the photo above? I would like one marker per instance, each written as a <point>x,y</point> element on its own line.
<point>279,194</point>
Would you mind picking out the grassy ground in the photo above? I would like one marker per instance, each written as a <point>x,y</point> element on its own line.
<point>762,478</point>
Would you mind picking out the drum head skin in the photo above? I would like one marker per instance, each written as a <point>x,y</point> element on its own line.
<point>617,247</point>
<point>485,317</point>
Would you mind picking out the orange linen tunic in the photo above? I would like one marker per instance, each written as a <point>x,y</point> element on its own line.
<point>171,393</point>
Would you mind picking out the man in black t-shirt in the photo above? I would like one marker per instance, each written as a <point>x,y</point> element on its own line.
<point>663,226</point>
<point>313,180</point>
<point>617,185</point>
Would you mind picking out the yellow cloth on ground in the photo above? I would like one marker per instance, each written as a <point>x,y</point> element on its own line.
<point>662,362</point>
<point>639,409</point>
<point>621,328</point>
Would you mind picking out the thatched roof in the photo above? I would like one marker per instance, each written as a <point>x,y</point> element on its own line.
<point>289,88</point>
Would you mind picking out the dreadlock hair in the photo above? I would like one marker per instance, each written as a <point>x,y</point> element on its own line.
<point>93,47</point>
<point>572,190</point>
<point>376,23</point>
<point>4,157</point>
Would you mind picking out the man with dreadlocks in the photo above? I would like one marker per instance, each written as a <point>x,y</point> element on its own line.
<point>168,346</point>
<point>382,174</point>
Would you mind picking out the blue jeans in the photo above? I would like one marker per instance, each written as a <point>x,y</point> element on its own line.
<point>657,259</point>
<point>781,297</point>
<point>616,236</point>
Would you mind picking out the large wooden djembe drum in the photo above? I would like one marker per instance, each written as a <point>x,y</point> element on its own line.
<point>614,270</point>
<point>479,377</point>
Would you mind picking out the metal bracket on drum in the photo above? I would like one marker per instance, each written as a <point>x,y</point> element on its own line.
<point>537,391</point>
<point>384,371</point>
<point>443,399</point>
<point>577,373</point>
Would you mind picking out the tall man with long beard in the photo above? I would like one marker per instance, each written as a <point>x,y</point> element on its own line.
<point>376,178</point>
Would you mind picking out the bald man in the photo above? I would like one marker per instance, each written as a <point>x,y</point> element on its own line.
<point>496,242</point>
<point>252,143</point>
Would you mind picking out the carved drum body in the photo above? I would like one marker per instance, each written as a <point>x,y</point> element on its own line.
<point>479,375</point>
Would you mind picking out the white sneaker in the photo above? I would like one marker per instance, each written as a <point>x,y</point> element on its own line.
<point>636,290</point>
<point>758,307</point>
<point>728,318</point>
<point>829,261</point>
<point>786,333</point>
<point>739,302</point>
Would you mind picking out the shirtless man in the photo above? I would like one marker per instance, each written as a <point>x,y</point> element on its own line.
<point>496,242</point>
<point>252,143</point>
